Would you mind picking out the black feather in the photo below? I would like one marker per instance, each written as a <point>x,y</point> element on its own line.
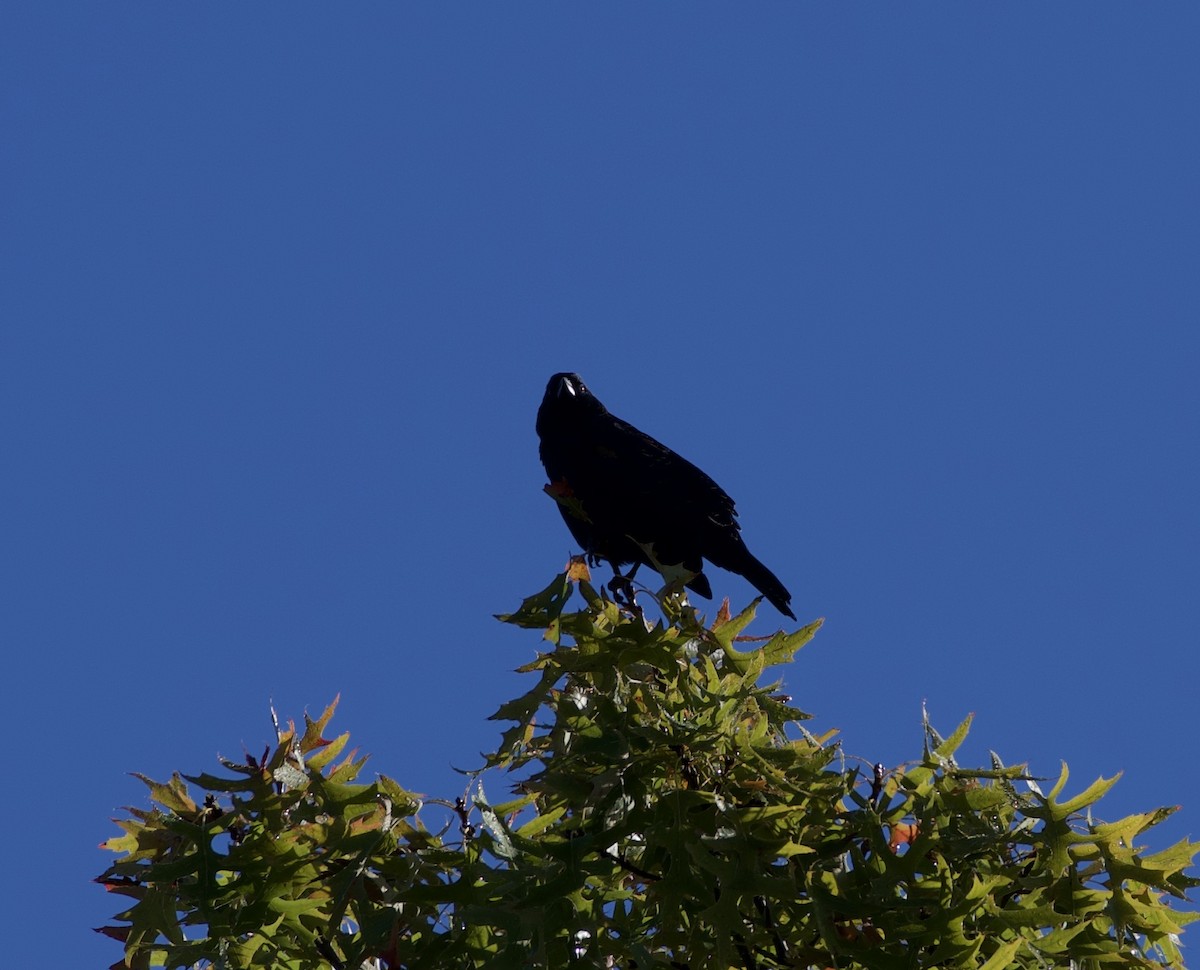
<point>630,499</point>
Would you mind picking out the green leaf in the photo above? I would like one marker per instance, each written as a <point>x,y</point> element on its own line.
<point>542,609</point>
<point>945,750</point>
<point>172,796</point>
<point>1089,796</point>
<point>662,811</point>
<point>735,625</point>
<point>1001,959</point>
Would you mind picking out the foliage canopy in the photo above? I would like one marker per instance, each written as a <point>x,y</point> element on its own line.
<point>667,810</point>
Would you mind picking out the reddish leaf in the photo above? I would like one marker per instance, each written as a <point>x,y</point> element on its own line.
<point>903,833</point>
<point>577,569</point>
<point>723,614</point>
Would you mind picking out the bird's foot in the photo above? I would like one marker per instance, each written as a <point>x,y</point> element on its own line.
<point>623,593</point>
<point>621,588</point>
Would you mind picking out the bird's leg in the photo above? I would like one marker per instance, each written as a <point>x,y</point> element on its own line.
<point>621,586</point>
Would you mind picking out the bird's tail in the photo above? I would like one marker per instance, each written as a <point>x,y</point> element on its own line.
<point>761,578</point>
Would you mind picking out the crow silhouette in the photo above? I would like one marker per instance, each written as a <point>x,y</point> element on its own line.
<point>630,499</point>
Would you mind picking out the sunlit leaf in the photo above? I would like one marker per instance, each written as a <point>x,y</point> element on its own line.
<point>664,808</point>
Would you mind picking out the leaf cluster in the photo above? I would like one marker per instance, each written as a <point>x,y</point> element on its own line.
<point>667,809</point>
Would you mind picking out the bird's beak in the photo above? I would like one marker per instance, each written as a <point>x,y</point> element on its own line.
<point>566,385</point>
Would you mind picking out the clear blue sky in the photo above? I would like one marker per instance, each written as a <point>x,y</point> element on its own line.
<point>282,286</point>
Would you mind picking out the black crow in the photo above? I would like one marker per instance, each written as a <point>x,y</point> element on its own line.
<point>630,499</point>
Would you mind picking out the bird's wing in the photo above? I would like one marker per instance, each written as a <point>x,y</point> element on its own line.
<point>658,493</point>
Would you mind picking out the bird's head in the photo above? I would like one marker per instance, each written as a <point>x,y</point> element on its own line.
<point>569,391</point>
<point>569,384</point>
<point>566,398</point>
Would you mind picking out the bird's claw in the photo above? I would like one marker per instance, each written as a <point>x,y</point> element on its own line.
<point>622,589</point>
<point>623,593</point>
